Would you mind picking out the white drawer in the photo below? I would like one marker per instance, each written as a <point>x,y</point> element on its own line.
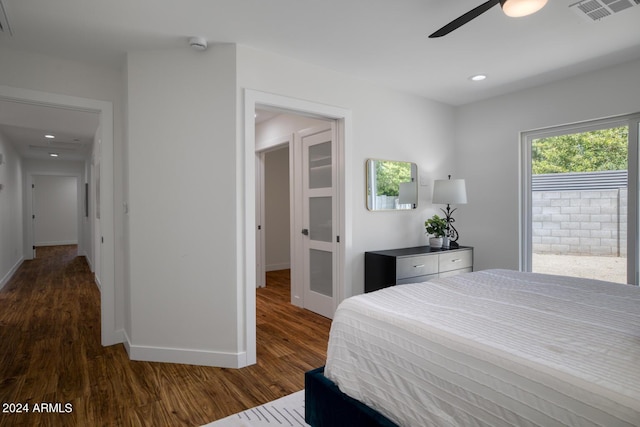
<point>417,279</point>
<point>416,266</point>
<point>455,260</point>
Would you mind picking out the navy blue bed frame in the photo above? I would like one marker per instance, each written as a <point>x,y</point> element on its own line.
<point>326,406</point>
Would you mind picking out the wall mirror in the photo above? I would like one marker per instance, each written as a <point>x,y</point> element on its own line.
<point>391,185</point>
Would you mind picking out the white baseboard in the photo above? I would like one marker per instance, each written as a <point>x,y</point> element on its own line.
<point>276,267</point>
<point>184,356</point>
<point>89,263</point>
<point>119,336</point>
<point>97,280</point>
<point>57,243</point>
<point>11,272</point>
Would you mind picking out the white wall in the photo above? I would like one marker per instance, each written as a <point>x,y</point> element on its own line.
<point>185,151</point>
<point>56,210</point>
<point>386,124</point>
<point>62,79</point>
<point>277,230</point>
<point>488,142</point>
<point>184,294</point>
<point>34,169</point>
<point>10,211</point>
<point>182,215</point>
<point>270,132</point>
<point>277,216</point>
<point>184,164</point>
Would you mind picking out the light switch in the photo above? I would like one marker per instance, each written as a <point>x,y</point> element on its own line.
<point>424,180</point>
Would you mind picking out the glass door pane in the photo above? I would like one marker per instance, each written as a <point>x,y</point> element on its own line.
<point>319,216</point>
<point>320,165</point>
<point>579,204</point>
<point>321,272</point>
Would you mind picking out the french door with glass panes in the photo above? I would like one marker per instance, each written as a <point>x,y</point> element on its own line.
<point>319,216</point>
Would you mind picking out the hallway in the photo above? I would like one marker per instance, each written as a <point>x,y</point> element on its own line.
<point>51,353</point>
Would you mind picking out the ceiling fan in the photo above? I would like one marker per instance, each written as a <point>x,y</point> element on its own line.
<point>511,8</point>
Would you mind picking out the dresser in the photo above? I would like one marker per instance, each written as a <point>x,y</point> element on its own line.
<point>413,265</point>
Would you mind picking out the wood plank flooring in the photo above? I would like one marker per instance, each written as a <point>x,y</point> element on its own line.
<point>50,352</point>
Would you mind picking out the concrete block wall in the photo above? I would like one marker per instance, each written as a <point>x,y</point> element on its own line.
<point>580,222</point>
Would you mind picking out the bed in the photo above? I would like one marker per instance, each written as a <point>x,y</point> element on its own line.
<point>490,348</point>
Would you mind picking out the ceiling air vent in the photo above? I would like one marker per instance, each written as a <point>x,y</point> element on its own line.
<point>4,22</point>
<point>595,10</point>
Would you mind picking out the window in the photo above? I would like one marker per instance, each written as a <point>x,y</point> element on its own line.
<point>579,200</point>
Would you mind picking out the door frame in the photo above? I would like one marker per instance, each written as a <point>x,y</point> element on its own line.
<point>633,218</point>
<point>246,227</point>
<point>31,237</point>
<point>261,151</point>
<point>110,334</point>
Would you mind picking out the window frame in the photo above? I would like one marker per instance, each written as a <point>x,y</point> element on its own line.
<point>525,206</point>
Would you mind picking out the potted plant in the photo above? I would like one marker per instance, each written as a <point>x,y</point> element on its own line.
<point>436,227</point>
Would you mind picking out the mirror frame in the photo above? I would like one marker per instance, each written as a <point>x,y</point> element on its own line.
<point>369,190</point>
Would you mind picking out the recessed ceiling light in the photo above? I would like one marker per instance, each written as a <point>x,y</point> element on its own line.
<point>53,154</point>
<point>478,77</point>
<point>49,136</point>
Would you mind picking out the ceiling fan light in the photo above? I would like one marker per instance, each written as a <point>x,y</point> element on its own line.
<point>519,8</point>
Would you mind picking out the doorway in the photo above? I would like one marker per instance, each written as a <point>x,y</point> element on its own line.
<point>110,332</point>
<point>273,205</point>
<point>580,200</point>
<point>55,211</point>
<point>290,169</point>
<point>246,243</point>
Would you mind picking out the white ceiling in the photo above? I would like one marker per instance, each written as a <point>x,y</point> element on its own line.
<point>25,125</point>
<point>383,41</point>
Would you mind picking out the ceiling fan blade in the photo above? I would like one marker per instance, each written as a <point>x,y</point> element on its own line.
<point>457,23</point>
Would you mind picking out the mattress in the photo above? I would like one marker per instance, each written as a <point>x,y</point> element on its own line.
<point>492,348</point>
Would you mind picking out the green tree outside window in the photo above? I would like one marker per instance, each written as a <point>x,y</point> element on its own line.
<point>389,175</point>
<point>599,150</point>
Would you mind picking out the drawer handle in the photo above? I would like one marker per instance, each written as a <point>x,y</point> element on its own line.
<point>418,266</point>
<point>456,260</point>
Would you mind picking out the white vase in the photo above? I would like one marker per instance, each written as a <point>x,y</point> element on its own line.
<point>435,242</point>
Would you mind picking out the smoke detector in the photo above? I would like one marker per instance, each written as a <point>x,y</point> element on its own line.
<point>595,10</point>
<point>198,43</point>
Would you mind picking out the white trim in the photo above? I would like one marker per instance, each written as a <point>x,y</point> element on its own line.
<point>261,255</point>
<point>277,267</point>
<point>109,334</point>
<point>295,221</point>
<point>633,244</point>
<point>246,178</point>
<point>11,272</point>
<point>182,355</point>
<point>57,243</point>
<point>89,262</point>
<point>96,280</point>
<point>274,144</point>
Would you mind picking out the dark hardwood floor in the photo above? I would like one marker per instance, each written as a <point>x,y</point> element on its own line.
<point>50,353</point>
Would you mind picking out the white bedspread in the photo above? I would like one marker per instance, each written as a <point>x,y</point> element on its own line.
<point>493,348</point>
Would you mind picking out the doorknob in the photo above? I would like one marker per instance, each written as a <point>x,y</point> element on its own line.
<point>305,231</point>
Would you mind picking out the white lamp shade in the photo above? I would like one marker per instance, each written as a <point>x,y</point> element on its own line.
<point>449,191</point>
<point>519,8</point>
